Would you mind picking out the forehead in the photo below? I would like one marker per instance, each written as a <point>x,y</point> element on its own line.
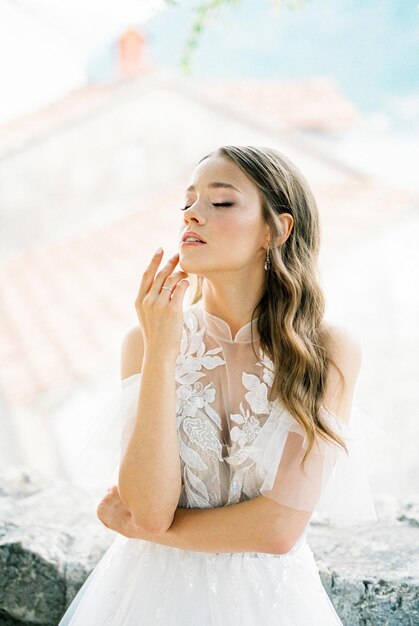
<point>215,170</point>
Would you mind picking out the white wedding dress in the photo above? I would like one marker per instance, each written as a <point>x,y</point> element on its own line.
<point>234,445</point>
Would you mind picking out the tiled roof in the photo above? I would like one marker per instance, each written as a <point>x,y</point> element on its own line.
<point>306,103</point>
<point>314,103</point>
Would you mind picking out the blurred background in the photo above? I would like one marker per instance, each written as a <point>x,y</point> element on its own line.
<point>105,111</point>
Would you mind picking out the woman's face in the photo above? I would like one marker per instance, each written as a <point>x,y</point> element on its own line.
<point>235,234</point>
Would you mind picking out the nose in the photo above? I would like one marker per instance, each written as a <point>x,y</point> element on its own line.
<point>191,213</point>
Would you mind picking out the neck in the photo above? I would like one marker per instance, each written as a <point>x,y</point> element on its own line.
<point>232,303</point>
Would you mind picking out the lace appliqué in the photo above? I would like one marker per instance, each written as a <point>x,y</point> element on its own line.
<point>244,435</point>
<point>203,435</point>
<point>193,399</point>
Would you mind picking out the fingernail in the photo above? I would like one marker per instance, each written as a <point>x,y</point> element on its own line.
<point>159,250</point>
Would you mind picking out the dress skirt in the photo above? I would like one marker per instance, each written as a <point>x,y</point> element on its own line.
<point>140,583</point>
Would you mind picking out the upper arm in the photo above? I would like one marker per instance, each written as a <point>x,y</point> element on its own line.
<point>132,352</point>
<point>345,356</point>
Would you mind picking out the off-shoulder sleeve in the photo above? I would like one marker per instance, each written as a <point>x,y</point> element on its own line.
<point>106,437</point>
<point>334,485</point>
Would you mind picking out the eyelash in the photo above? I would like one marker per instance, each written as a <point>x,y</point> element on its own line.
<point>214,204</point>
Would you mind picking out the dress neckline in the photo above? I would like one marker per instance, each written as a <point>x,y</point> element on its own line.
<point>218,328</point>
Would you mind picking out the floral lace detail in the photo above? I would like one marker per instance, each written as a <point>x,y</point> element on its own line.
<point>193,399</point>
<point>203,435</point>
<point>245,434</point>
<point>267,366</point>
<point>191,395</point>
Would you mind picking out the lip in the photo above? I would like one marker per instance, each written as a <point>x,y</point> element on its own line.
<point>190,233</point>
<point>192,243</point>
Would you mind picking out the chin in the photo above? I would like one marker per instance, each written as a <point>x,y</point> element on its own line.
<point>189,268</point>
<point>188,265</point>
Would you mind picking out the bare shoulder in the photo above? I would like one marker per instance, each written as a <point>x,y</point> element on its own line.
<point>344,352</point>
<point>132,352</point>
<point>343,348</point>
<point>342,343</point>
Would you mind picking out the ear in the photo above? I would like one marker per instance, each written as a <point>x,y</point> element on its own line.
<point>285,226</point>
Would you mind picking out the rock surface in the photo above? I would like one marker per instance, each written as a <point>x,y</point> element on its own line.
<point>51,539</point>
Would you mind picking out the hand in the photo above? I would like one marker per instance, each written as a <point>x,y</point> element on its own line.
<point>159,311</point>
<point>113,513</point>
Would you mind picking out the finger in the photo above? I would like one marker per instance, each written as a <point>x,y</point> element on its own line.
<point>163,274</point>
<point>99,514</point>
<point>149,276</point>
<point>179,291</point>
<point>170,283</point>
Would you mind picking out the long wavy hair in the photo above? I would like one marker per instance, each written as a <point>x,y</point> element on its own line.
<point>290,324</point>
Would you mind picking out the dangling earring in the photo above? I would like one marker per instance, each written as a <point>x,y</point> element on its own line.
<point>267,260</point>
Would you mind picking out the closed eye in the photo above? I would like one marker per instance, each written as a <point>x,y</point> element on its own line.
<point>214,204</point>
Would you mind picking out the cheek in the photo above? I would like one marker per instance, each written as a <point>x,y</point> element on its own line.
<point>226,226</point>
<point>230,227</point>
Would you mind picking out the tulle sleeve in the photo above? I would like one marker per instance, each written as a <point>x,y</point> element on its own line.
<point>106,437</point>
<point>334,485</point>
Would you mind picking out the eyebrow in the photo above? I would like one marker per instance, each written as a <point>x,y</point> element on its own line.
<point>216,184</point>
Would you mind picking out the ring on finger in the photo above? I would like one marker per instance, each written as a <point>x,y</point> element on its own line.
<point>171,289</point>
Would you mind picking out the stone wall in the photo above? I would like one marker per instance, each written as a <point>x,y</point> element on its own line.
<point>51,539</point>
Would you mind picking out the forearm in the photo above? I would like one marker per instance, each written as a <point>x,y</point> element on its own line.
<point>248,526</point>
<point>149,479</point>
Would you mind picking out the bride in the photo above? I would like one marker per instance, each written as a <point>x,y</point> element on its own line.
<point>236,416</point>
